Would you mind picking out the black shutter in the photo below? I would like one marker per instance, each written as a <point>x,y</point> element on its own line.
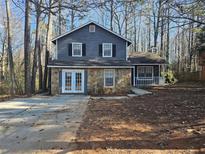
<point>84,49</point>
<point>114,50</point>
<point>100,50</point>
<point>69,49</point>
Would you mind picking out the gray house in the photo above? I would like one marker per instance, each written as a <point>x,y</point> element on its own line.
<point>94,60</point>
<point>90,60</point>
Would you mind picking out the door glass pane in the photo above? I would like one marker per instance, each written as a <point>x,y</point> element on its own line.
<point>68,81</point>
<point>78,81</point>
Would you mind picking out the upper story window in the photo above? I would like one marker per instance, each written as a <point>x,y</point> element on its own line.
<point>92,28</point>
<point>107,49</point>
<point>76,49</point>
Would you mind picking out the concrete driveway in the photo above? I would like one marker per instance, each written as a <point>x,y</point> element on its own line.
<point>40,124</point>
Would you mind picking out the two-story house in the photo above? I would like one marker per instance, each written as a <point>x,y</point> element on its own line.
<point>90,60</point>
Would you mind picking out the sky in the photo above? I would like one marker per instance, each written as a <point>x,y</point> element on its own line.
<point>18,26</point>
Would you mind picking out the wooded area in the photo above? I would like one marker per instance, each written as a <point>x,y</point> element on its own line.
<point>174,29</point>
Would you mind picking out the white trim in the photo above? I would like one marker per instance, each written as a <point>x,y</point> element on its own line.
<point>103,49</point>
<point>73,80</point>
<point>150,64</point>
<point>81,49</point>
<point>88,24</point>
<point>134,81</point>
<point>146,77</point>
<point>54,66</point>
<point>113,70</point>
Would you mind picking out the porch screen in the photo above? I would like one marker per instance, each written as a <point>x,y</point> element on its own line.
<point>145,72</point>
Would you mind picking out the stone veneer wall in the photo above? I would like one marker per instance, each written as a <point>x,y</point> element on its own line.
<point>95,83</point>
<point>55,89</point>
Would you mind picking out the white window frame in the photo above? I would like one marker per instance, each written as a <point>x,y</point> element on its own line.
<point>145,78</point>
<point>113,71</point>
<point>103,49</point>
<point>81,52</point>
<point>90,29</point>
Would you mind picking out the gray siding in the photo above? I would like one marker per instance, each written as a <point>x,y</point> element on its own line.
<point>92,41</point>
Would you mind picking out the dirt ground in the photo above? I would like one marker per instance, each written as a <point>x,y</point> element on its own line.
<point>171,120</point>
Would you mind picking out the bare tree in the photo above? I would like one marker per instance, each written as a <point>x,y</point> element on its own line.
<point>27,49</point>
<point>2,58</point>
<point>48,36</point>
<point>35,56</point>
<point>10,55</point>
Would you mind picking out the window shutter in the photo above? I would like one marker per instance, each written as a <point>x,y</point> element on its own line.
<point>100,50</point>
<point>114,50</point>
<point>84,49</point>
<point>69,49</point>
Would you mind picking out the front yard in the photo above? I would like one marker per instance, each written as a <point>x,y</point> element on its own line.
<point>171,120</point>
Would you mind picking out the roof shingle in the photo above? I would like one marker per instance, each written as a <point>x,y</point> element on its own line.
<point>89,62</point>
<point>145,58</point>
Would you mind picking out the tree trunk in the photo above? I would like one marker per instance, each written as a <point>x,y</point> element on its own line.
<point>27,49</point>
<point>36,52</point>
<point>149,34</point>
<point>34,68</point>
<point>111,15</point>
<point>10,56</point>
<point>162,37</point>
<point>156,23</point>
<point>40,78</point>
<point>46,49</point>
<point>135,33</point>
<point>126,19</point>
<point>168,25</point>
<point>59,18</point>
<point>72,18</point>
<point>138,33</point>
<point>49,80</point>
<point>2,61</point>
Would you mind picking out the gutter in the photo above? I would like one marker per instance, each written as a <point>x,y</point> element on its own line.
<point>54,66</point>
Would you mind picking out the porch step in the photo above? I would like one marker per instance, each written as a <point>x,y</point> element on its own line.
<point>139,92</point>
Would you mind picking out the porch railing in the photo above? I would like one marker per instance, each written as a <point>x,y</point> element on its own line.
<point>146,82</point>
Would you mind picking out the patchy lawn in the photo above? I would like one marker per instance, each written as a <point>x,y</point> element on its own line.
<point>171,120</point>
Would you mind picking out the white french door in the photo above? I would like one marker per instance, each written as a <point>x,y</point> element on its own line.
<point>72,81</point>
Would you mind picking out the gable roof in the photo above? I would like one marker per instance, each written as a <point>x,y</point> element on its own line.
<point>91,22</point>
<point>145,58</point>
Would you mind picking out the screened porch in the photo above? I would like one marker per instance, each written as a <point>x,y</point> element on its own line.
<point>148,75</point>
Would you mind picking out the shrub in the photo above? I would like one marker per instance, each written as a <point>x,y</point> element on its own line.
<point>4,88</point>
<point>169,77</point>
